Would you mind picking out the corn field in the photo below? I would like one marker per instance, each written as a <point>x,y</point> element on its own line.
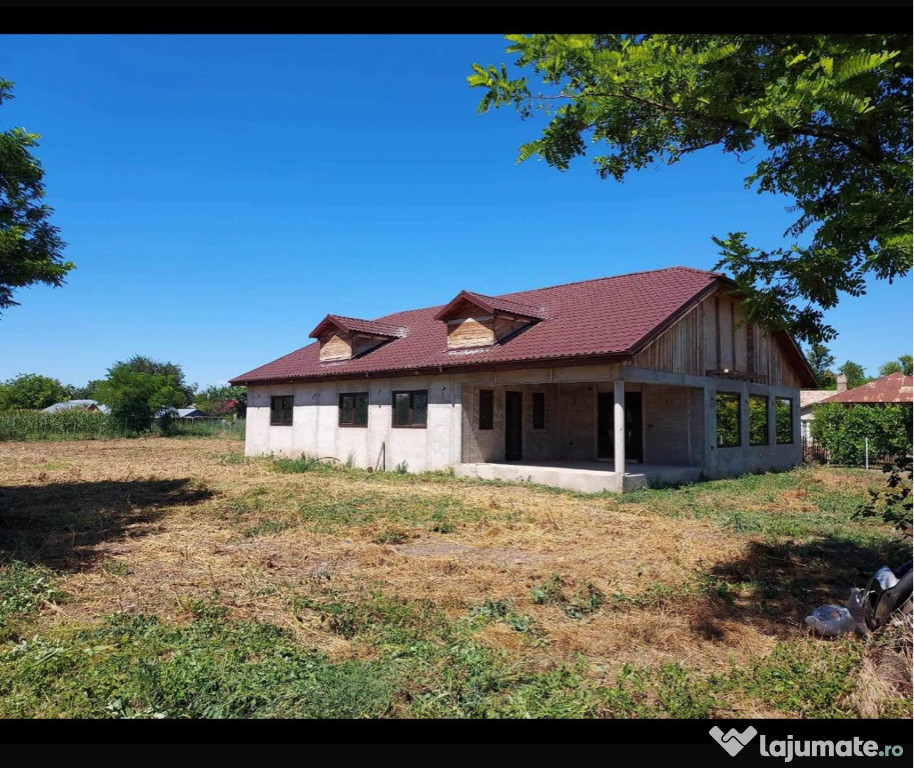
<point>82,425</point>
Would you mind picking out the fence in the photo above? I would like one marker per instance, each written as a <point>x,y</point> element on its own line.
<point>83,425</point>
<point>816,453</point>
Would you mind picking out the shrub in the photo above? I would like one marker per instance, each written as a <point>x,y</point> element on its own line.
<point>843,430</point>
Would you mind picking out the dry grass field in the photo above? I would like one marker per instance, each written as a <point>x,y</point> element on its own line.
<point>176,578</point>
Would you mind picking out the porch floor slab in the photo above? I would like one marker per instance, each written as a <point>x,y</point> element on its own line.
<point>583,476</point>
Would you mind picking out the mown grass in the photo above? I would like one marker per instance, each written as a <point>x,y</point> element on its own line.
<point>424,664</point>
<point>256,588</point>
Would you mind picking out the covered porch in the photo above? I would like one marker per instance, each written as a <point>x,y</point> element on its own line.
<point>591,436</point>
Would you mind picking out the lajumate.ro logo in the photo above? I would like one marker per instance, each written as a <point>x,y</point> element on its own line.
<point>787,749</point>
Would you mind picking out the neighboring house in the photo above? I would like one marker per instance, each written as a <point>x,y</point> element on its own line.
<point>91,406</point>
<point>234,408</point>
<point>809,398</point>
<point>606,384</point>
<point>894,388</point>
<point>187,414</point>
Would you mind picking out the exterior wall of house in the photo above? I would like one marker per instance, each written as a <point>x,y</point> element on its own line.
<point>678,414</point>
<point>674,425</point>
<point>714,336</point>
<point>315,426</point>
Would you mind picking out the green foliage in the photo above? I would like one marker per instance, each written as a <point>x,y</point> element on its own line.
<point>137,666</point>
<point>842,431</point>
<point>31,391</point>
<point>811,679</point>
<point>136,390</point>
<point>904,364</point>
<point>821,361</point>
<point>582,602</point>
<point>829,115</point>
<point>856,376</point>
<point>215,400</point>
<point>303,463</point>
<point>783,420</point>
<point>23,589</point>
<point>758,420</point>
<point>726,405</point>
<point>70,424</point>
<point>31,250</point>
<point>893,503</point>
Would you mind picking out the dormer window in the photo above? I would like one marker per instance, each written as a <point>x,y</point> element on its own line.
<point>343,338</point>
<point>474,320</point>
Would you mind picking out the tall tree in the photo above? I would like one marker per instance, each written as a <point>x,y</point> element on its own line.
<point>136,396</point>
<point>904,364</point>
<point>31,250</point>
<point>821,361</point>
<point>31,391</point>
<point>856,376</point>
<point>830,115</point>
<point>173,371</point>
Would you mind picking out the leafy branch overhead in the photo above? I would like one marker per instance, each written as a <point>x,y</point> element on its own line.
<point>30,246</point>
<point>829,115</point>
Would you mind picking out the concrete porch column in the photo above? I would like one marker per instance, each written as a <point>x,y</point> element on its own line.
<point>619,426</point>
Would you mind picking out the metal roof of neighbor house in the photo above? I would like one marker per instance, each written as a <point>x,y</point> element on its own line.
<point>810,397</point>
<point>894,388</point>
<point>182,413</point>
<point>68,404</point>
<point>610,317</point>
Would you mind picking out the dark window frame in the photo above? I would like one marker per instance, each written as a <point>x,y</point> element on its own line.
<point>411,410</point>
<point>790,411</point>
<point>767,420</point>
<point>486,409</point>
<point>739,419</point>
<point>290,410</point>
<point>539,410</point>
<point>341,412</point>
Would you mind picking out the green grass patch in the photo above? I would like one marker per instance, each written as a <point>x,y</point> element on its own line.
<point>23,590</point>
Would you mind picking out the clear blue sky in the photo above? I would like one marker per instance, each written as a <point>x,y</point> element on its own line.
<point>221,194</point>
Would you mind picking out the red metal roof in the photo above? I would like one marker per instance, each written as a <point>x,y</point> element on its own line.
<point>894,388</point>
<point>355,325</point>
<point>606,317</point>
<point>492,304</point>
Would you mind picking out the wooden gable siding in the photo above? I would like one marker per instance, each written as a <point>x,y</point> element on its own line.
<point>712,337</point>
<point>335,345</point>
<point>470,332</point>
<point>339,345</point>
<point>469,326</point>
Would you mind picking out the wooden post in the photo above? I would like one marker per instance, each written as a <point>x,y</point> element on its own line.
<point>619,426</point>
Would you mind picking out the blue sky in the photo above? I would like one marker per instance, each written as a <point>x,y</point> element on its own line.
<point>221,194</point>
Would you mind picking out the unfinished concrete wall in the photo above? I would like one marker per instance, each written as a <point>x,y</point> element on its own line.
<point>577,421</point>
<point>673,425</point>
<point>315,426</point>
<point>679,420</point>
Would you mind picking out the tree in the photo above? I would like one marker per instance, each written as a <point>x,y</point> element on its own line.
<point>31,391</point>
<point>31,250</point>
<point>855,374</point>
<point>136,396</point>
<point>904,364</point>
<point>173,371</point>
<point>830,115</point>
<point>215,400</point>
<point>821,360</point>
<point>88,392</point>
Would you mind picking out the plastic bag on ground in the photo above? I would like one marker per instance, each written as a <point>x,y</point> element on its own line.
<point>831,621</point>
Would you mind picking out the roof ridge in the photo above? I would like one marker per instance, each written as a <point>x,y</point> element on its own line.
<point>559,285</point>
<point>616,277</point>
